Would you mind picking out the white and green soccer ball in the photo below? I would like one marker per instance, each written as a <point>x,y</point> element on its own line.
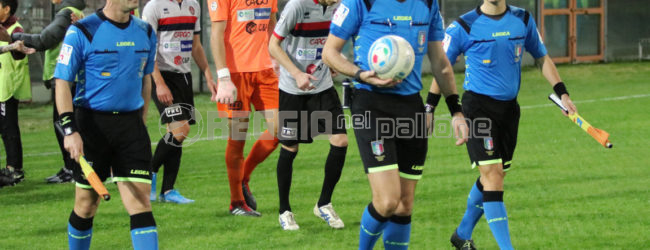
<point>391,57</point>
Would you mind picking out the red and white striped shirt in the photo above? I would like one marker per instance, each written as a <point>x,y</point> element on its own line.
<point>175,25</point>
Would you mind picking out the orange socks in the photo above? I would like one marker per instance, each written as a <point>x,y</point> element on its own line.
<point>234,162</point>
<point>262,148</point>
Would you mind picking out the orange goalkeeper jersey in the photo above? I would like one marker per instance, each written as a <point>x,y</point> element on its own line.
<point>247,32</point>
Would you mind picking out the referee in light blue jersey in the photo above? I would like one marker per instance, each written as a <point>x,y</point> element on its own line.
<point>394,161</point>
<point>112,53</point>
<point>493,37</point>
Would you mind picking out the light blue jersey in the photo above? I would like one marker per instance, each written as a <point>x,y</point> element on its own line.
<point>110,62</point>
<point>493,50</point>
<point>417,21</point>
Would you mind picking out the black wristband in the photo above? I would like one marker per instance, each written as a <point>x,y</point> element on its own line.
<point>560,89</point>
<point>68,125</point>
<point>357,76</point>
<point>453,103</point>
<point>433,99</point>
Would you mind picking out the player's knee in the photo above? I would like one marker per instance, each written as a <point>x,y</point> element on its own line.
<point>406,206</point>
<point>386,205</point>
<point>292,148</point>
<point>86,207</point>
<point>181,133</point>
<point>340,140</point>
<point>493,178</point>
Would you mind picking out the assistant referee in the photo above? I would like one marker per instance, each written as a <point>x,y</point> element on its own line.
<point>492,37</point>
<point>112,53</point>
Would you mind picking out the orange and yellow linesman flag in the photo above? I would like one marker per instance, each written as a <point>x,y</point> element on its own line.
<point>93,179</point>
<point>601,136</point>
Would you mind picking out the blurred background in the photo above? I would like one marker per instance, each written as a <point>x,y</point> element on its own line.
<point>574,31</point>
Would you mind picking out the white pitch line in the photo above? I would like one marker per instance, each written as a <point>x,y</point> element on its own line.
<point>152,143</point>
<point>223,137</point>
<point>606,99</point>
<point>618,98</point>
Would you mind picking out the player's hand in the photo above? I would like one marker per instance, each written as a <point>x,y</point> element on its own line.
<point>333,73</point>
<point>20,47</point>
<point>212,86</point>
<point>74,145</point>
<point>566,101</point>
<point>226,91</point>
<point>303,80</point>
<point>164,95</point>
<point>430,123</point>
<point>461,131</point>
<point>370,76</point>
<point>74,18</point>
<point>276,66</point>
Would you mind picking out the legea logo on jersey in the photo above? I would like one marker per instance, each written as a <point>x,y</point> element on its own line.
<point>186,46</point>
<point>125,44</point>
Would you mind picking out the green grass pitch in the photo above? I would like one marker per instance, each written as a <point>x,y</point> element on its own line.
<point>565,191</point>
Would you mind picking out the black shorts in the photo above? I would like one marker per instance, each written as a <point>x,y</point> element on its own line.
<point>495,143</point>
<point>182,109</point>
<point>390,131</point>
<point>303,117</point>
<point>115,145</point>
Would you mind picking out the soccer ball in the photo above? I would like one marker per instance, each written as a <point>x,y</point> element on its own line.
<point>391,57</point>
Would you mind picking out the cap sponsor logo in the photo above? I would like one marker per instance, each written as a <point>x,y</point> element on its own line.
<point>65,54</point>
<point>178,60</point>
<point>251,27</point>
<point>340,15</point>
